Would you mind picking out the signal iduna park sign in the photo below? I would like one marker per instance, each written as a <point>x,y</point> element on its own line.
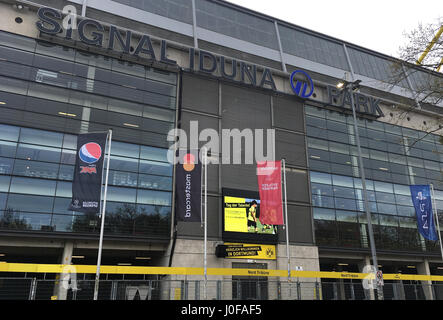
<point>93,33</point>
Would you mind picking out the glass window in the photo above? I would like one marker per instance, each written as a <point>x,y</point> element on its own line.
<point>39,153</point>
<point>3,197</point>
<point>358,184</point>
<point>341,203</point>
<point>28,203</point>
<point>125,149</point>
<point>406,211</point>
<point>387,208</point>
<point>346,216</point>
<point>378,155</point>
<point>121,194</point>
<point>4,183</point>
<point>123,164</point>
<point>383,187</point>
<point>318,154</point>
<point>32,186</point>
<point>9,132</point>
<point>7,149</point>
<point>50,49</point>
<point>66,172</point>
<point>61,206</point>
<point>124,179</point>
<point>323,201</point>
<point>385,197</point>
<point>404,190</point>
<point>321,189</point>
<point>315,111</point>
<point>344,192</point>
<point>337,126</point>
<point>319,165</point>
<point>70,142</point>
<point>154,182</point>
<point>125,107</point>
<point>405,200</point>
<point>13,85</point>
<point>156,168</point>
<point>324,214</point>
<point>41,137</point>
<point>158,114</point>
<point>317,144</point>
<point>343,181</point>
<point>318,177</point>
<point>64,189</point>
<point>35,169</point>
<point>68,156</point>
<point>339,147</point>
<point>6,165</point>
<point>154,197</point>
<point>62,223</point>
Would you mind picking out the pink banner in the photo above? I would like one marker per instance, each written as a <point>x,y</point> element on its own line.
<point>270,188</point>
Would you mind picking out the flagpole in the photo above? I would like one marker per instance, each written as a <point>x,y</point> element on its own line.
<point>205,164</point>
<point>286,218</point>
<point>434,206</point>
<point>100,246</point>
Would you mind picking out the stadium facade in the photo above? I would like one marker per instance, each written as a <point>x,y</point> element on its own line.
<point>142,68</point>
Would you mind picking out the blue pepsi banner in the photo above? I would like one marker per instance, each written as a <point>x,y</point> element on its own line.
<point>88,172</point>
<point>421,198</point>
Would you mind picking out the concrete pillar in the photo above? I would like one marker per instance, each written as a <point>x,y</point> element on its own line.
<point>61,285</point>
<point>369,293</point>
<point>423,269</point>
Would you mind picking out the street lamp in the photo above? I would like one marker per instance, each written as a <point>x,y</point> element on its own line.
<point>353,86</point>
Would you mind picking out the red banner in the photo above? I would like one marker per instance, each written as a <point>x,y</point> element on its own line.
<point>270,188</point>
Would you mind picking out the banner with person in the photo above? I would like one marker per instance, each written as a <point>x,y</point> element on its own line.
<point>270,189</point>
<point>421,198</point>
<point>88,172</point>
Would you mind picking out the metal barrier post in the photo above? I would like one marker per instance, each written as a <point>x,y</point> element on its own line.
<point>352,291</point>
<point>219,290</point>
<point>298,290</point>
<point>334,288</point>
<point>317,291</point>
<point>33,289</point>
<point>197,290</point>
<point>114,287</point>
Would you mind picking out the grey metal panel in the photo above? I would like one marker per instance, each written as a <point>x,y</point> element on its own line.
<point>290,146</point>
<point>230,42</point>
<point>300,225</point>
<point>288,114</point>
<point>200,94</point>
<point>203,123</point>
<point>245,108</point>
<point>372,66</point>
<point>243,177</point>
<point>194,230</point>
<point>310,47</point>
<point>180,10</point>
<point>142,16</point>
<point>236,24</point>
<point>297,185</point>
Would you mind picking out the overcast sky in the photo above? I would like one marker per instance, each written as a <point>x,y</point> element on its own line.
<point>374,24</point>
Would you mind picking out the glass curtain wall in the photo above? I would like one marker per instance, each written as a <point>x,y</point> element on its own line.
<point>48,95</point>
<point>394,158</point>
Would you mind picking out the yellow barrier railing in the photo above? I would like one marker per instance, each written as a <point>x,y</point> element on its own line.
<point>59,268</point>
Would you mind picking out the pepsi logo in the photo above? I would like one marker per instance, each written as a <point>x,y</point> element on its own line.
<point>90,153</point>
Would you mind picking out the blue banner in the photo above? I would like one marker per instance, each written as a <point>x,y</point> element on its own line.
<point>421,198</point>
